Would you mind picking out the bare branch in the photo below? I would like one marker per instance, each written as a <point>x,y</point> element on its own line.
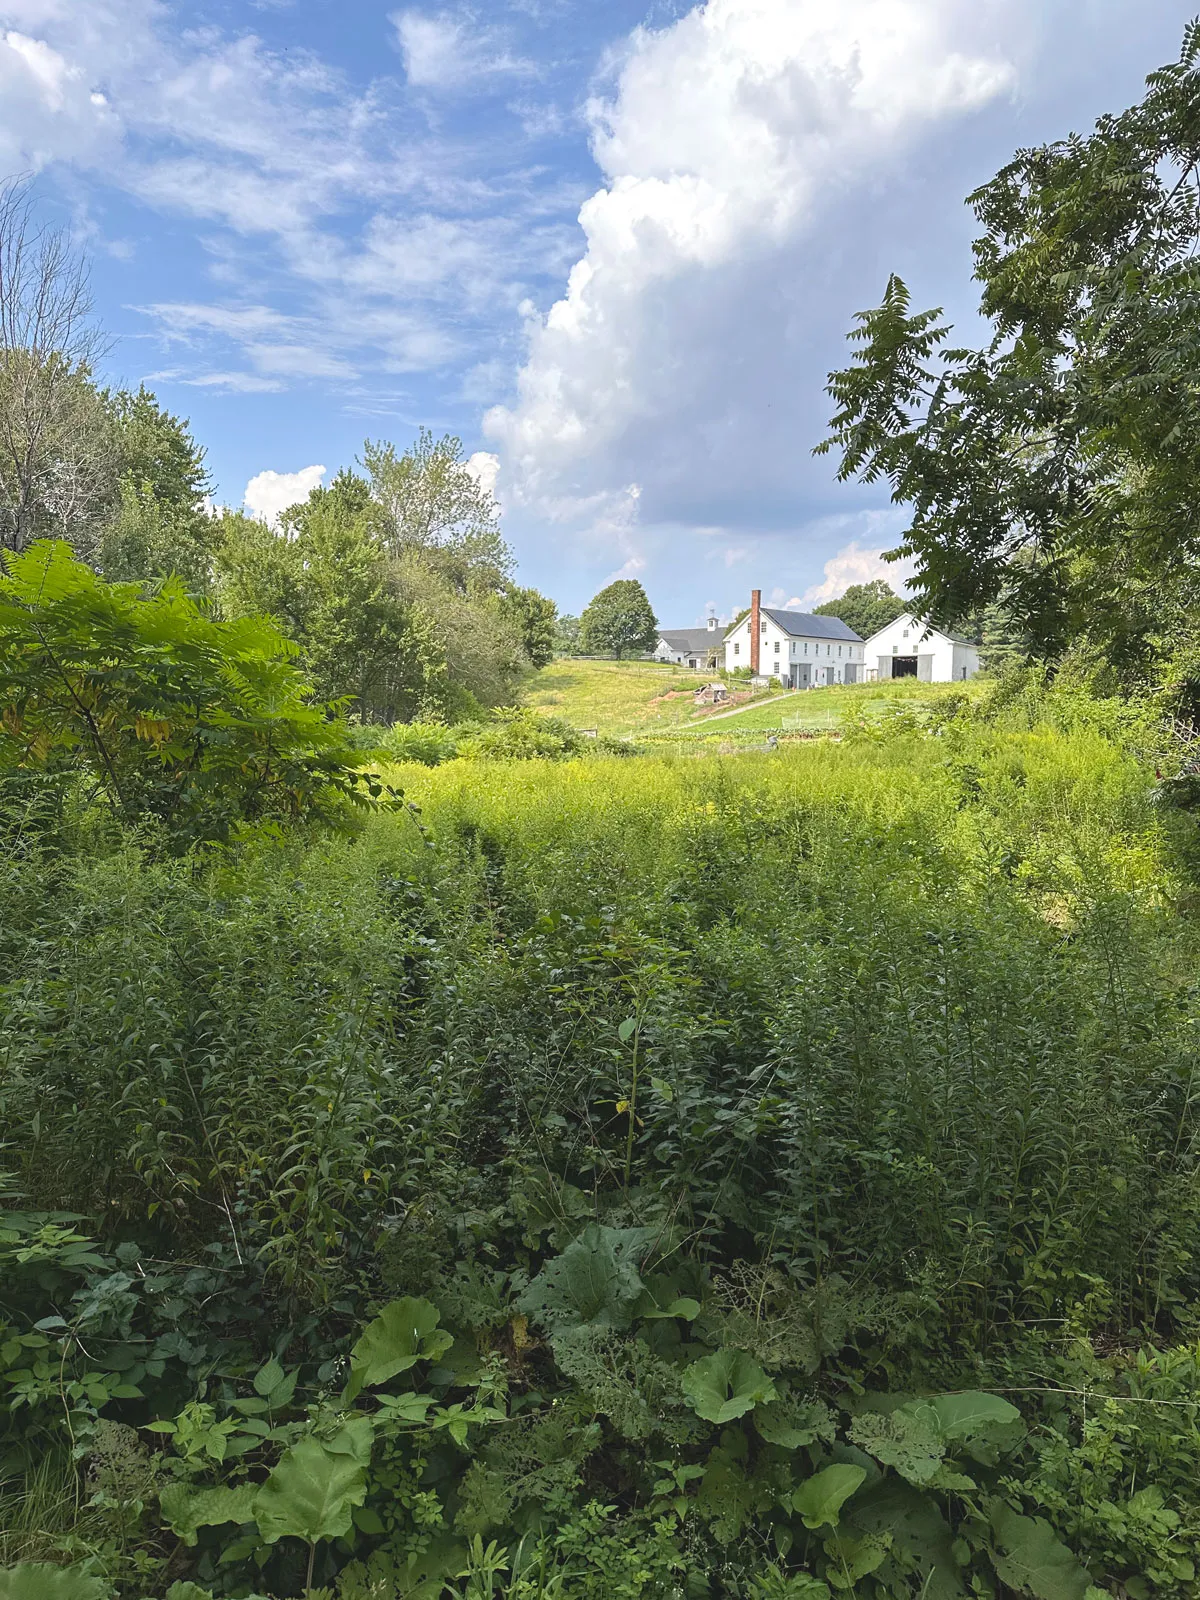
<point>55,455</point>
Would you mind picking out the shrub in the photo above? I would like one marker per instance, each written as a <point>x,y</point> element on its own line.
<point>197,724</point>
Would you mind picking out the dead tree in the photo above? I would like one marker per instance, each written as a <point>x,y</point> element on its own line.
<point>56,473</point>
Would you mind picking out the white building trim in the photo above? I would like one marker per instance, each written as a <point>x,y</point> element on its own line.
<point>912,648</point>
<point>800,650</point>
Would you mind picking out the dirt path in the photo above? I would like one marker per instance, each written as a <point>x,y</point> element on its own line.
<point>750,705</point>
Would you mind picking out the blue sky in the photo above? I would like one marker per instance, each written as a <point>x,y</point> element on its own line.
<point>615,248</point>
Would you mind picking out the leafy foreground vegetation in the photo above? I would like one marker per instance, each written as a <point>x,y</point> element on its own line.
<point>771,1177</point>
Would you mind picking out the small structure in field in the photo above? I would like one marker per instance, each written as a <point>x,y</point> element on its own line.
<point>711,694</point>
<point>697,648</point>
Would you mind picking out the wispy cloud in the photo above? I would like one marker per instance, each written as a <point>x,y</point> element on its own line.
<point>448,52</point>
<point>388,249</point>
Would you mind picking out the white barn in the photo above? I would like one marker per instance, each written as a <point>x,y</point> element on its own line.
<point>910,648</point>
<point>801,650</point>
<point>690,647</point>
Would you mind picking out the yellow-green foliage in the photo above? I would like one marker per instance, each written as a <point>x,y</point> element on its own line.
<point>673,1103</point>
<point>1069,807</point>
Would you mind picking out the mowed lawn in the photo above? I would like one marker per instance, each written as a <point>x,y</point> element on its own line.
<point>617,697</point>
<point>816,709</point>
<point>638,697</point>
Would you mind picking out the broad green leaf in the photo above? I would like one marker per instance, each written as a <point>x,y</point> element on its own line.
<point>268,1378</point>
<point>917,1528</point>
<point>354,1438</point>
<point>626,1030</point>
<point>593,1283</point>
<point>186,1510</point>
<point>725,1385</point>
<point>984,1425</point>
<point>908,1440</point>
<point>685,1308</point>
<point>975,1416</point>
<point>41,1580</point>
<point>820,1499</point>
<point>403,1333</point>
<point>311,1494</point>
<point>1031,1559</point>
<point>856,1558</point>
<point>792,1424</point>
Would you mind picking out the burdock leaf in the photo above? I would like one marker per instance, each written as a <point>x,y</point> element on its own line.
<point>403,1333</point>
<point>726,1385</point>
<point>312,1493</point>
<point>820,1499</point>
<point>1032,1559</point>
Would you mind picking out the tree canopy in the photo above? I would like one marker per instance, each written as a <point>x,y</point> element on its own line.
<point>865,607</point>
<point>1057,465</point>
<point>200,724</point>
<point>620,618</point>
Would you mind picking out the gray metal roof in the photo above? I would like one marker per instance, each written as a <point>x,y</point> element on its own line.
<point>803,625</point>
<point>696,640</point>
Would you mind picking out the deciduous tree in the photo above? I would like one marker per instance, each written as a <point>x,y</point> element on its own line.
<point>620,618</point>
<point>865,607</point>
<point>201,724</point>
<point>57,465</point>
<point>1057,465</point>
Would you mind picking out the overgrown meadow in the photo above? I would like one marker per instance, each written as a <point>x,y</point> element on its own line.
<point>770,1176</point>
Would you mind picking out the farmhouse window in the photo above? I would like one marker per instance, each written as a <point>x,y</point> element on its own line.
<point>777,647</point>
<point>737,649</point>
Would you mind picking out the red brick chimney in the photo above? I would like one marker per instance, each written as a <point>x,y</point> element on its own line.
<point>755,628</point>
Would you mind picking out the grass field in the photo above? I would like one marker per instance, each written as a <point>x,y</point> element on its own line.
<point>617,697</point>
<point>636,697</point>
<point>825,708</point>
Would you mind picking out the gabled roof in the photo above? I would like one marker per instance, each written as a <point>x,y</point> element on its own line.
<point>914,621</point>
<point>804,625</point>
<point>697,640</point>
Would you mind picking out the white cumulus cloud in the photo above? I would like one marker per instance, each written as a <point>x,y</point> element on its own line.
<point>853,564</point>
<point>269,494</point>
<point>728,135</point>
<point>484,467</point>
<point>48,109</point>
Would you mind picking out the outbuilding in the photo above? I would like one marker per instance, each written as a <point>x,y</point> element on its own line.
<point>911,648</point>
<point>698,648</point>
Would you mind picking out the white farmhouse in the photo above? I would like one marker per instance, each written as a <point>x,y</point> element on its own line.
<point>910,648</point>
<point>801,650</point>
<point>690,647</point>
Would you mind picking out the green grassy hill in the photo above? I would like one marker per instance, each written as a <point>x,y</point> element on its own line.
<point>619,697</point>
<point>644,699</point>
